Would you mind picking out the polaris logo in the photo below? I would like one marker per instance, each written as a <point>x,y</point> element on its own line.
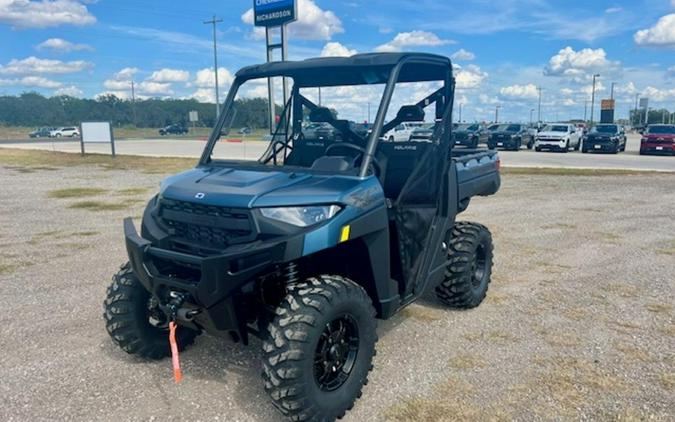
<point>200,195</point>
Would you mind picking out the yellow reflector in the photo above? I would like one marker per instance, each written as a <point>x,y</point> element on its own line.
<point>344,235</point>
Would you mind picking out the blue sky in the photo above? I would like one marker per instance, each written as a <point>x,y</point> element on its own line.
<point>502,49</point>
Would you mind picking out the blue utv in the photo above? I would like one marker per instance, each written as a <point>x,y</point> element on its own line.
<point>307,245</point>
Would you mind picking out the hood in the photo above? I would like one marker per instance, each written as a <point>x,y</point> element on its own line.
<point>552,135</point>
<point>238,188</point>
<point>602,135</point>
<point>502,133</point>
<point>659,136</point>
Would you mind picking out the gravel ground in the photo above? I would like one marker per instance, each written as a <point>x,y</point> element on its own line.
<point>578,323</point>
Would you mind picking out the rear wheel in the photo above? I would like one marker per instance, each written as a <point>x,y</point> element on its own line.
<point>530,144</point>
<point>135,323</point>
<point>468,272</point>
<point>319,349</point>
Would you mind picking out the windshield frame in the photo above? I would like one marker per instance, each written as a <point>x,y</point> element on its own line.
<point>373,139</point>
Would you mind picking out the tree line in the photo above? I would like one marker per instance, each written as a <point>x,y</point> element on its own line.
<point>35,110</point>
<point>654,116</point>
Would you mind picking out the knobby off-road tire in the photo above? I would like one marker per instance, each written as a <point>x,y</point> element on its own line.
<point>127,319</point>
<point>468,272</point>
<point>304,337</point>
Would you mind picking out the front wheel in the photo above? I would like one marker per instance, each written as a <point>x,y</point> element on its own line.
<point>530,145</point>
<point>577,146</point>
<point>567,146</point>
<point>469,268</point>
<point>135,323</point>
<point>319,348</point>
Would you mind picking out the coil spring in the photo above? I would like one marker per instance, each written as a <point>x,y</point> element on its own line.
<point>291,274</point>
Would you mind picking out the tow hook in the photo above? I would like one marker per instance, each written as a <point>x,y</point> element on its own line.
<point>175,308</point>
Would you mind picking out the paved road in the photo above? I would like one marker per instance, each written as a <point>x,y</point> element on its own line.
<point>253,149</point>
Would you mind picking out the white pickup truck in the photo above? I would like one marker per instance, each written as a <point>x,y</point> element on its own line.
<point>402,132</point>
<point>559,137</point>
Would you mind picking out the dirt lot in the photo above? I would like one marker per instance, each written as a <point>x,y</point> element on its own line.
<point>578,324</point>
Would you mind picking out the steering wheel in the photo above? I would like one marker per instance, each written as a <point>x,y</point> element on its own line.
<point>361,153</point>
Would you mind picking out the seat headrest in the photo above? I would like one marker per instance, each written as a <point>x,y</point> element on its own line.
<point>321,115</point>
<point>410,113</point>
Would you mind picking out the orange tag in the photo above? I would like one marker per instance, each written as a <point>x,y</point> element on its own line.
<point>177,374</point>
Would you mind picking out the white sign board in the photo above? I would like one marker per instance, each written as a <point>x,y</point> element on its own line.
<point>97,133</point>
<point>194,116</point>
<point>644,102</point>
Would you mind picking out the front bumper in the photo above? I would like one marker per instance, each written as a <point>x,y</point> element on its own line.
<point>600,146</point>
<point>550,144</point>
<point>657,148</point>
<point>212,283</point>
<point>508,143</point>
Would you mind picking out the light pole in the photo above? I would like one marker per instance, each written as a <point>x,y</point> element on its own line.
<point>497,113</point>
<point>585,110</point>
<point>597,75</point>
<point>611,91</point>
<point>531,111</point>
<point>539,107</point>
<point>213,22</point>
<point>637,115</point>
<point>460,113</point>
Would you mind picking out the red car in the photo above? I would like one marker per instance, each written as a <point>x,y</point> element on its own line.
<point>658,139</point>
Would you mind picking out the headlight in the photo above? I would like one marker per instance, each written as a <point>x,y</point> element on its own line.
<point>301,216</point>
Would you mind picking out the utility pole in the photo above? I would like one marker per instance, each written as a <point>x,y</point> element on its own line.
<point>539,107</point>
<point>213,22</point>
<point>497,113</point>
<point>611,91</point>
<point>133,101</point>
<point>531,111</point>
<point>593,97</point>
<point>460,113</point>
<point>585,110</point>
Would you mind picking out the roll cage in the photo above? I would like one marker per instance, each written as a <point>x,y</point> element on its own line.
<point>361,69</point>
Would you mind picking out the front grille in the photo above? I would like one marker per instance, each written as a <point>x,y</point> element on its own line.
<point>207,225</point>
<point>549,140</point>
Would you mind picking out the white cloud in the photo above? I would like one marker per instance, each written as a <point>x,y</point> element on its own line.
<point>462,54</point>
<point>469,77</point>
<point>31,82</point>
<point>33,65</point>
<point>169,75</point>
<point>44,13</point>
<point>403,40</point>
<point>658,94</point>
<point>615,9</point>
<point>313,23</point>
<point>335,49</point>
<point>580,63</point>
<point>59,44</point>
<point>117,85</point>
<point>206,78</point>
<point>204,95</point>
<point>670,73</point>
<point>518,92</point>
<point>487,99</point>
<point>154,88</point>
<point>71,91</point>
<point>126,73</point>
<point>662,34</point>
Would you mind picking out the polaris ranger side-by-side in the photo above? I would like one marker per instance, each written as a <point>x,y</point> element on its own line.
<point>307,245</point>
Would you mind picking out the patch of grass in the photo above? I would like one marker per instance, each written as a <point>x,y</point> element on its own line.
<point>496,298</point>
<point>59,235</point>
<point>76,192</point>
<point>35,159</point>
<point>494,336</point>
<point>622,290</point>
<point>560,226</point>
<point>466,361</point>
<point>132,191</point>
<point>6,269</point>
<point>552,268</point>
<point>633,352</point>
<point>558,339</point>
<point>611,238</point>
<point>670,250</point>
<point>421,313</point>
<point>624,327</point>
<point>551,171</point>
<point>668,330</point>
<point>99,206</point>
<point>660,308</point>
<point>667,381</point>
<point>576,314</point>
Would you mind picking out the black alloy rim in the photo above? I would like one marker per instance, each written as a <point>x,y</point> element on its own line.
<point>336,353</point>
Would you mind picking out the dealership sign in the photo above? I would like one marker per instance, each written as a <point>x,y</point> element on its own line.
<point>274,12</point>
